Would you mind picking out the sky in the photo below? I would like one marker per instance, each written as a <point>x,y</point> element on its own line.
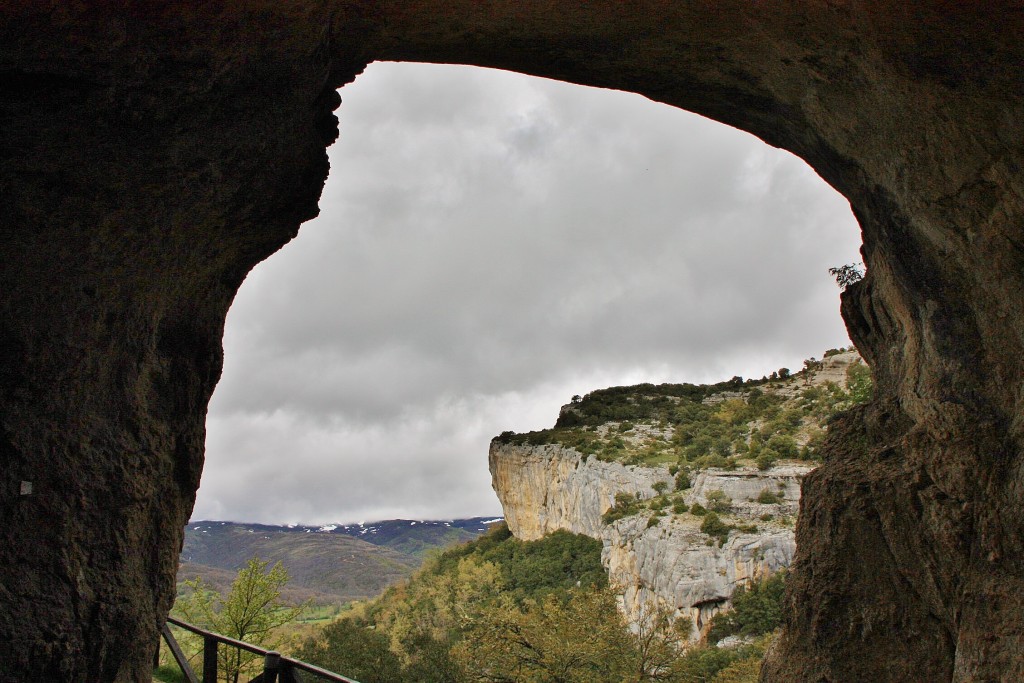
<point>489,245</point>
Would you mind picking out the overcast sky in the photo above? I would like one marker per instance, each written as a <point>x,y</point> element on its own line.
<point>490,244</point>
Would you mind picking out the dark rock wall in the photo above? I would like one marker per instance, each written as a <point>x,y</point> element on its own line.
<point>150,155</point>
<point>146,163</point>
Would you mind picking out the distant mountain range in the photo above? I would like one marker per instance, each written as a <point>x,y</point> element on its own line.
<point>333,563</point>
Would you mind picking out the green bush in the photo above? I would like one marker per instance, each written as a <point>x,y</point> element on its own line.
<point>718,501</point>
<point>714,527</point>
<point>757,609</point>
<point>698,510</point>
<point>625,505</point>
<point>361,653</point>
<point>766,458</point>
<point>859,383</point>
<point>769,497</point>
<point>703,664</point>
<point>782,444</point>
<point>529,568</point>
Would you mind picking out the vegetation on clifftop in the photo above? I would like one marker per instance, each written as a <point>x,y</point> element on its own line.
<point>781,417</point>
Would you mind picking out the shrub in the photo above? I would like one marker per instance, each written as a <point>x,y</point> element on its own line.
<point>698,510</point>
<point>769,497</point>
<point>744,670</point>
<point>766,458</point>
<point>757,609</point>
<point>858,383</point>
<point>708,461</point>
<point>625,504</point>
<point>714,527</point>
<point>784,445</point>
<point>680,506</point>
<point>708,664</point>
<point>660,487</point>
<point>682,480</point>
<point>718,501</point>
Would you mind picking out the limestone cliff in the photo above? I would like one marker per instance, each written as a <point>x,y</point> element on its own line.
<point>650,514</point>
<point>545,488</point>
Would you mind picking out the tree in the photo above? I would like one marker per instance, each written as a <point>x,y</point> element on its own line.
<point>756,609</point>
<point>576,636</point>
<point>656,639</point>
<point>361,653</point>
<point>858,383</point>
<point>251,611</point>
<point>847,275</point>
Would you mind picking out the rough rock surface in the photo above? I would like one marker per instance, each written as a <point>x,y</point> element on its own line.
<point>545,488</point>
<point>152,153</point>
<point>672,565</point>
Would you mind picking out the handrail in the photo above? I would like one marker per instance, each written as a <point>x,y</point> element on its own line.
<point>275,666</point>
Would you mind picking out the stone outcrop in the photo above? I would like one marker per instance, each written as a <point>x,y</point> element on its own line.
<point>546,487</point>
<point>673,565</point>
<point>152,153</point>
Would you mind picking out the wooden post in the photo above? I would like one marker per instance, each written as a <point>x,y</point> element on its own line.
<point>271,666</point>
<point>209,659</point>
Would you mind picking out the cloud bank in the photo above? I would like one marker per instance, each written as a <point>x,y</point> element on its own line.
<point>489,245</point>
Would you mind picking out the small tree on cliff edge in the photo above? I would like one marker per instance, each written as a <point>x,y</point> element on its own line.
<point>250,612</point>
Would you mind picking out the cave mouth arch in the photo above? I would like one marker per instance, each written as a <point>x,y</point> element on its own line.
<point>490,244</point>
<point>150,161</point>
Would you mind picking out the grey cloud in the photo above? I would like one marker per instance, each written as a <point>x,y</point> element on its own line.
<point>491,237</point>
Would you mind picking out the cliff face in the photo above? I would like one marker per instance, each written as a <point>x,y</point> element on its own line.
<point>547,487</point>
<point>152,153</point>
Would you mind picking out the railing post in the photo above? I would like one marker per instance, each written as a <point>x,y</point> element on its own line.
<point>209,659</point>
<point>271,666</point>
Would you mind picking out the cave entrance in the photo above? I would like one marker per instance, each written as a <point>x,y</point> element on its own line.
<point>489,245</point>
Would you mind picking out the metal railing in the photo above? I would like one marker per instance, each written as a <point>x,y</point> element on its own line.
<point>276,667</point>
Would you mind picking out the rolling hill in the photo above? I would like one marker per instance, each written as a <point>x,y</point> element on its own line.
<point>333,563</point>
